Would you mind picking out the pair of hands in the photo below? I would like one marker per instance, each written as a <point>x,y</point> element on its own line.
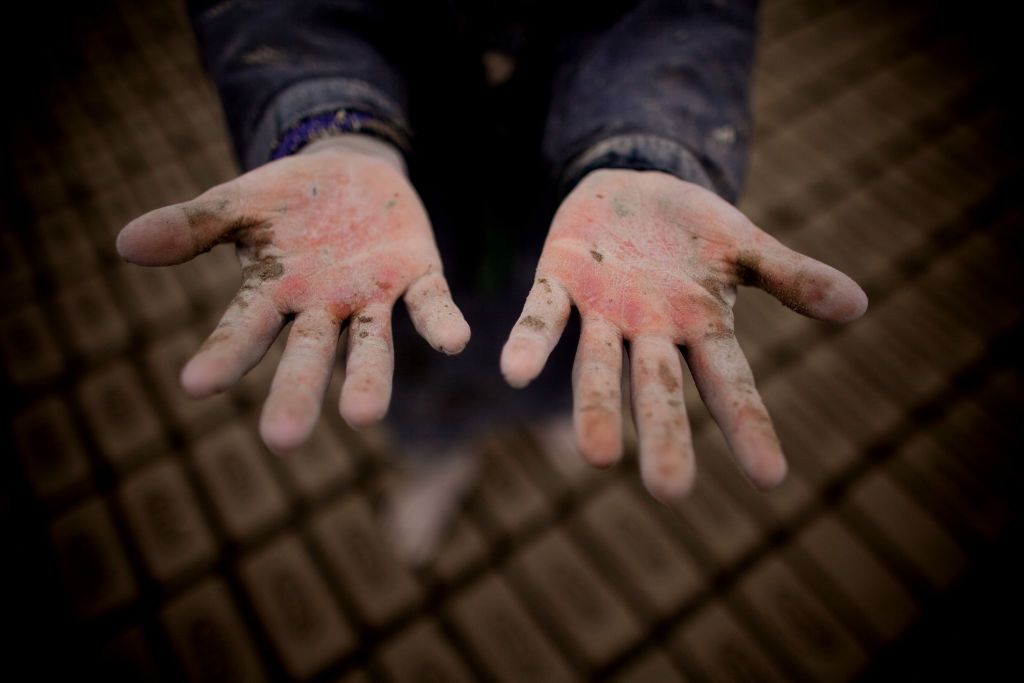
<point>336,233</point>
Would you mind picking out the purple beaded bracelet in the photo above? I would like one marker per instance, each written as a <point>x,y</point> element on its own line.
<point>326,124</point>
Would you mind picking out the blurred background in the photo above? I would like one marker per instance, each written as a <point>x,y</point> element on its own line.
<point>150,537</point>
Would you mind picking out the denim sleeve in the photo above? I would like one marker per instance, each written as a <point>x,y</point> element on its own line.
<point>276,63</point>
<point>662,87</point>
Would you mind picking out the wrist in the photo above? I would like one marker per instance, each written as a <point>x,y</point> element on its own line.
<point>358,143</point>
<point>638,153</point>
<point>341,123</point>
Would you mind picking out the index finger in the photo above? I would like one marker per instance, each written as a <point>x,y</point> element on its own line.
<point>726,384</point>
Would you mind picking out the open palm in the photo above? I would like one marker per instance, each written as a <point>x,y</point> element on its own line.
<point>331,235</point>
<point>653,260</point>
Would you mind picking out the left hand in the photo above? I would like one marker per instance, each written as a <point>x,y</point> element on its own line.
<point>653,260</point>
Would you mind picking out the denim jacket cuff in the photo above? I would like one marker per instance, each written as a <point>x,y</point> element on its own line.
<point>637,152</point>
<point>301,101</point>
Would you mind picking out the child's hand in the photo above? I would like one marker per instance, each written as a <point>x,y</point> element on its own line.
<point>654,260</point>
<point>330,235</point>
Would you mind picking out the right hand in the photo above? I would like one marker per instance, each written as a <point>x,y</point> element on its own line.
<point>335,233</point>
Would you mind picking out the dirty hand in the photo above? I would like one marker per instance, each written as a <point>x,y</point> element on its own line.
<point>333,234</point>
<point>655,261</point>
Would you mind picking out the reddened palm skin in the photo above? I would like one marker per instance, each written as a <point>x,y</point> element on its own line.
<point>331,236</point>
<point>655,261</point>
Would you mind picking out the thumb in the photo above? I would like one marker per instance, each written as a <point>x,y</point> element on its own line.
<point>176,233</point>
<point>802,283</point>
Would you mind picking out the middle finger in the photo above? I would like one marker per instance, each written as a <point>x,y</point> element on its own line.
<point>666,448</point>
<point>297,391</point>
